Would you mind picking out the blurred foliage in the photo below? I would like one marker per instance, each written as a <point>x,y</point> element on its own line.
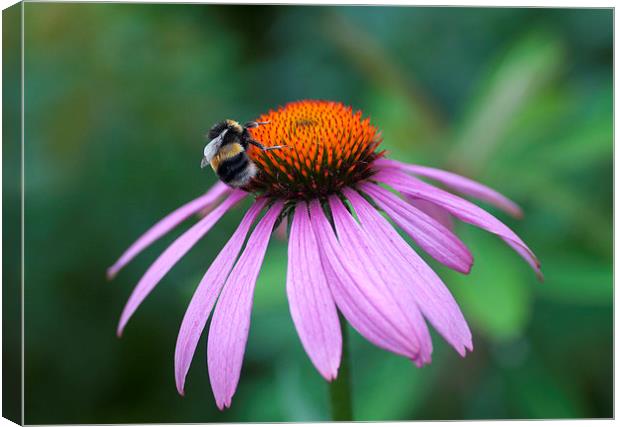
<point>118,97</point>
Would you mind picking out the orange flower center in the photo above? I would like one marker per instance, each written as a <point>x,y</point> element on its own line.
<point>328,146</point>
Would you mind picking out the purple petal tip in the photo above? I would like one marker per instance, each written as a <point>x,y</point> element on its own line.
<point>111,273</point>
<point>420,363</point>
<point>462,351</point>
<point>468,268</point>
<point>119,330</point>
<point>223,405</point>
<point>331,376</point>
<point>464,267</point>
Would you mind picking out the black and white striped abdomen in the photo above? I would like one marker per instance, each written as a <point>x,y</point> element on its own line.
<point>236,170</point>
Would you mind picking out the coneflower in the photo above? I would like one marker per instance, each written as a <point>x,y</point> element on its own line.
<point>331,187</point>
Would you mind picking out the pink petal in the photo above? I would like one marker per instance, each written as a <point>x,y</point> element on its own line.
<point>207,292</point>
<point>459,183</point>
<point>460,208</point>
<point>367,309</point>
<point>168,223</point>
<point>379,268</point>
<point>439,214</point>
<point>231,319</point>
<point>172,254</point>
<point>434,238</point>
<point>430,294</point>
<point>311,303</point>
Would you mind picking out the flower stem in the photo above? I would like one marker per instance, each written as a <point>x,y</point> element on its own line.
<point>340,388</point>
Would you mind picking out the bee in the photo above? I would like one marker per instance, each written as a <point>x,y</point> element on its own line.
<point>226,152</point>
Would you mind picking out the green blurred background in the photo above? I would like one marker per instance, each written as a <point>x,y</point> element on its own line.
<point>117,100</point>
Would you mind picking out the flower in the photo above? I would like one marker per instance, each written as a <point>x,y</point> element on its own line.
<point>343,254</point>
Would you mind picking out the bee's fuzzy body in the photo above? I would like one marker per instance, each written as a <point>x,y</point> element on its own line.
<point>228,158</point>
<point>233,166</point>
<point>226,152</point>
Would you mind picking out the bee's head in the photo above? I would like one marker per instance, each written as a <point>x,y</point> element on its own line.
<point>231,126</point>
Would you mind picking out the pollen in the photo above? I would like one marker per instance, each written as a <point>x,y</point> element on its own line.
<point>327,146</point>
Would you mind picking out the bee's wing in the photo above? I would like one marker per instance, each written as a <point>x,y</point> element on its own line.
<point>213,146</point>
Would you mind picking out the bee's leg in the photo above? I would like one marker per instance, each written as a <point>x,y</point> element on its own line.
<point>262,147</point>
<point>275,147</point>
<point>251,125</point>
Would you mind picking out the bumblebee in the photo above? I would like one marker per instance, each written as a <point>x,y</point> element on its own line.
<point>226,152</point>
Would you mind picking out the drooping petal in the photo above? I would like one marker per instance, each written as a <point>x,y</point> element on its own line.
<point>172,254</point>
<point>230,325</point>
<point>439,214</point>
<point>459,183</point>
<point>363,253</point>
<point>439,242</point>
<point>527,256</point>
<point>311,303</point>
<point>460,208</point>
<point>168,223</point>
<point>206,293</point>
<point>365,307</point>
<point>431,295</point>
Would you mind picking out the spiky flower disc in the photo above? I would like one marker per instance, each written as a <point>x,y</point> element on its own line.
<point>328,147</point>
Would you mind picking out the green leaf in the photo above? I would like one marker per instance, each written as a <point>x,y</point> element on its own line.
<point>578,280</point>
<point>515,78</point>
<point>539,394</point>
